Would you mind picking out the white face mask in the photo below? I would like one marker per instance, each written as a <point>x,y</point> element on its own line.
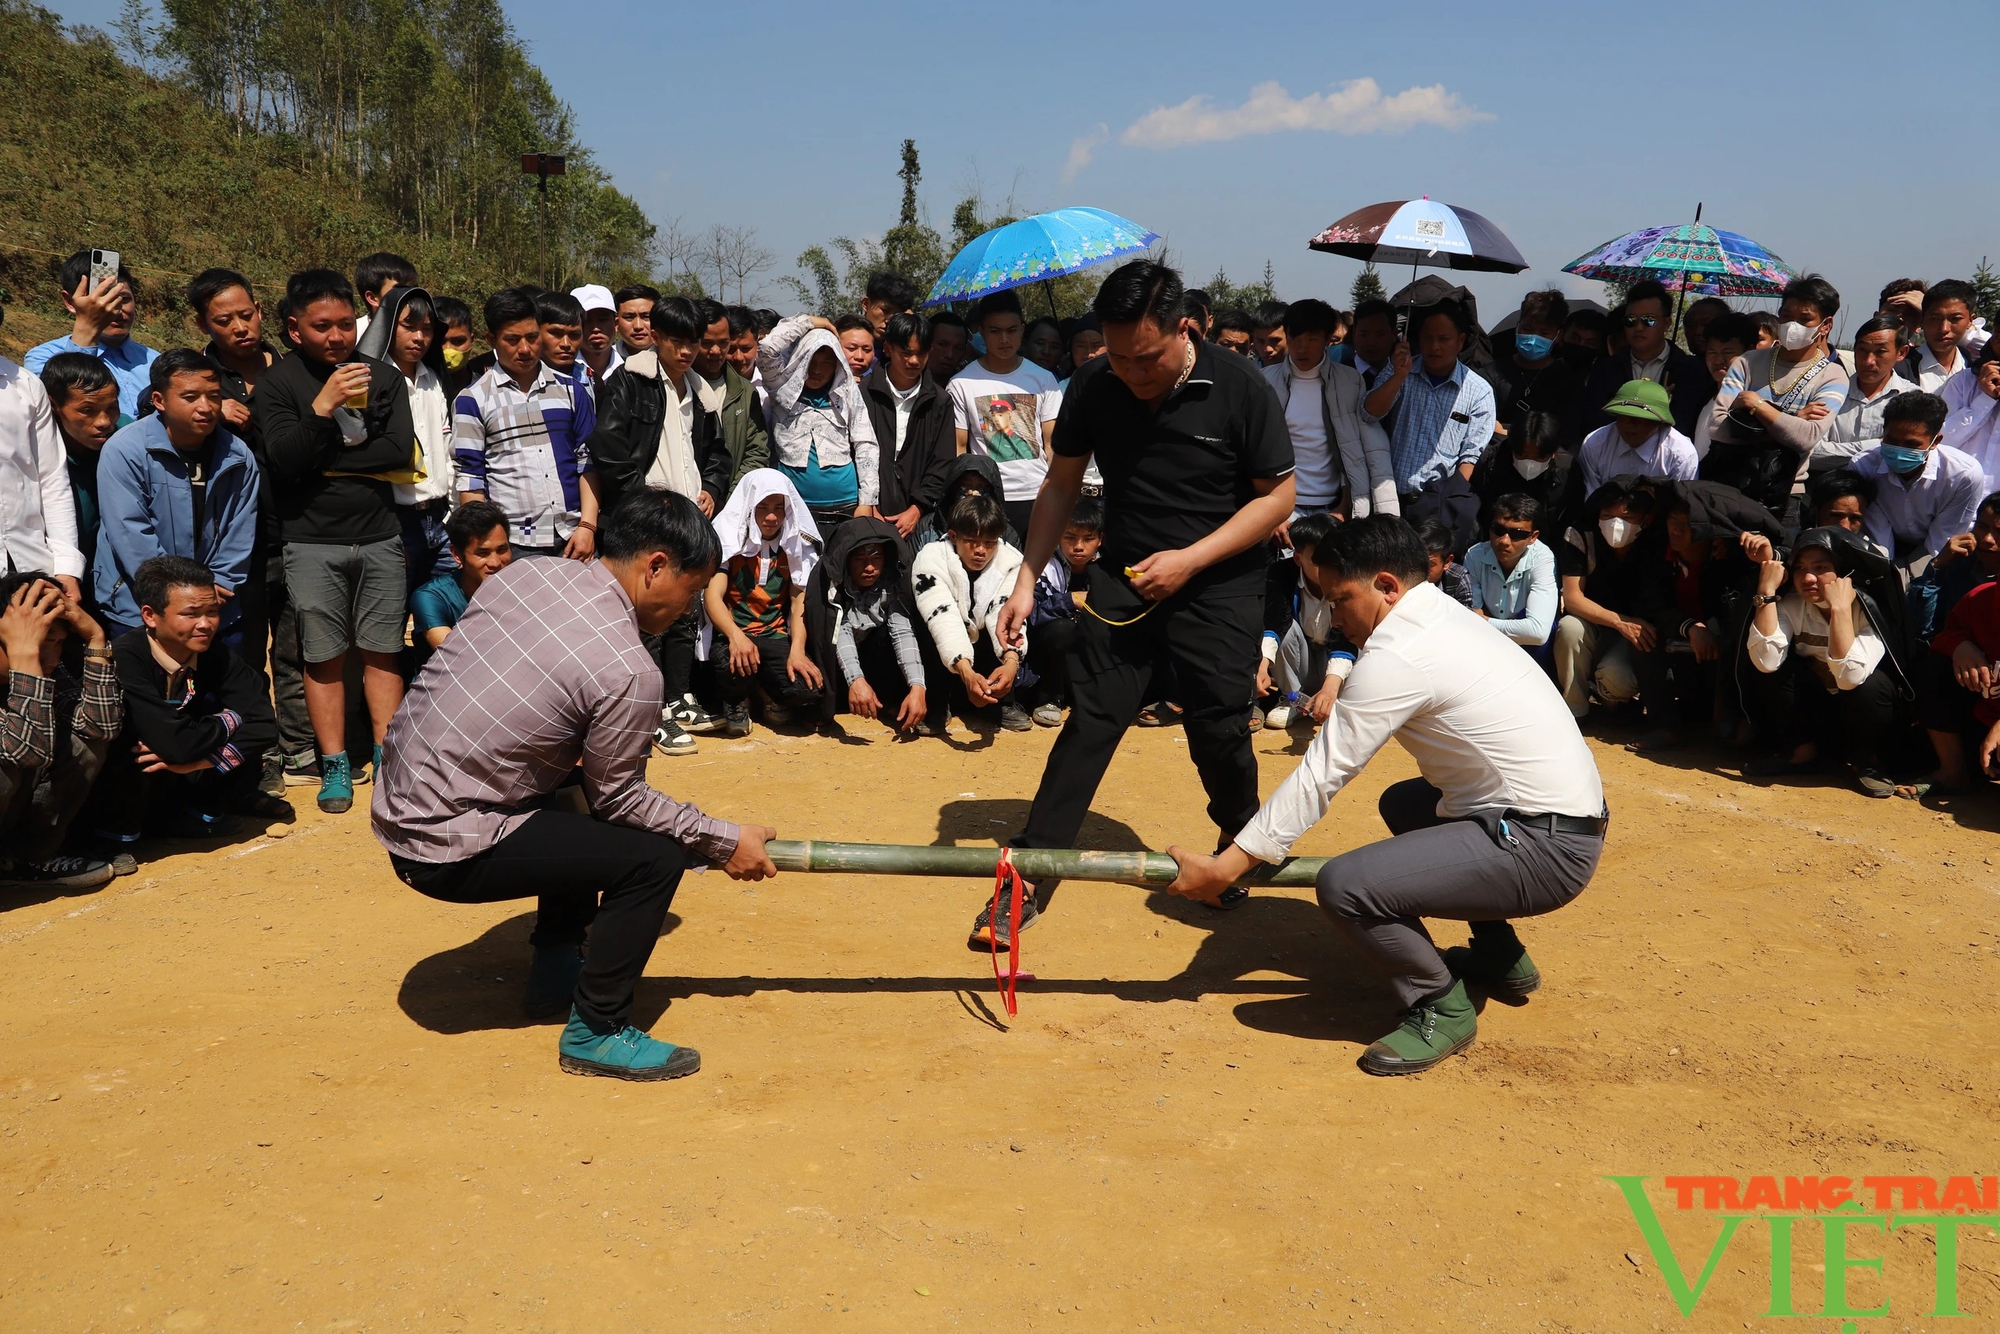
<point>1796,337</point>
<point>1530,469</point>
<point>1620,533</point>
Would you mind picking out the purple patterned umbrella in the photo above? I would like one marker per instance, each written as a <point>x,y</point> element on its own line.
<point>1689,257</point>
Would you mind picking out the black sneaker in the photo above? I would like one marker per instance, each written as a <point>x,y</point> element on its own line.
<point>669,738</point>
<point>272,781</point>
<point>1013,717</point>
<point>693,718</point>
<point>986,933</point>
<point>302,773</point>
<point>736,718</point>
<point>60,872</point>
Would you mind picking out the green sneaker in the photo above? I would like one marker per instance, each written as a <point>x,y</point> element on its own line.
<point>336,785</point>
<point>626,1054</point>
<point>1431,1031</point>
<point>364,773</point>
<point>1506,975</point>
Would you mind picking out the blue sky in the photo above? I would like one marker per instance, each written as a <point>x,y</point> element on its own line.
<point>1814,129</point>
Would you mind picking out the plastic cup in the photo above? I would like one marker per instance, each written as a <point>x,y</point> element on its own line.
<point>358,400</point>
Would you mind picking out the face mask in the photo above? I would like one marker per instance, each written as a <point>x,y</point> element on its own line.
<point>1796,337</point>
<point>1620,533</point>
<point>1530,469</point>
<point>1533,347</point>
<point>454,357</point>
<point>1903,460</point>
<point>1578,356</point>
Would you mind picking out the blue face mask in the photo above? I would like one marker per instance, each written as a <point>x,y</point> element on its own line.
<point>1533,347</point>
<point>1903,460</point>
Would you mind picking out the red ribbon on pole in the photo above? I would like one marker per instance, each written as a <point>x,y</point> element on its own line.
<point>1007,883</point>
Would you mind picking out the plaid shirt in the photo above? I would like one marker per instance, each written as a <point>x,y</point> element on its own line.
<point>544,672</point>
<point>526,450</point>
<point>28,720</point>
<point>1439,426</point>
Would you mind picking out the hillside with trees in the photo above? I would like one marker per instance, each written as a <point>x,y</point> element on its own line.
<point>270,135</point>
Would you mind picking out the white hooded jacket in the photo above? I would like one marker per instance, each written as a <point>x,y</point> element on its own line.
<point>955,607</point>
<point>843,432</point>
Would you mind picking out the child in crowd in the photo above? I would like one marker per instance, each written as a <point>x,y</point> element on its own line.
<point>756,601</point>
<point>1060,591</point>
<point>822,438</point>
<point>405,334</point>
<point>1306,657</point>
<point>84,394</point>
<point>1446,573</point>
<point>1512,576</point>
<point>859,619</point>
<point>960,588</point>
<point>966,475</point>
<point>198,718</point>
<point>481,547</point>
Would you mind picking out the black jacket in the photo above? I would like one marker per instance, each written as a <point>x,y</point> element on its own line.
<point>932,528</point>
<point>182,730</point>
<point>305,450</point>
<point>820,610</point>
<point>631,404</point>
<point>914,474</point>
<point>1690,389</point>
<point>1559,489</point>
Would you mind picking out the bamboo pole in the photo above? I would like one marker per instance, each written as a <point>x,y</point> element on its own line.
<point>1145,869</point>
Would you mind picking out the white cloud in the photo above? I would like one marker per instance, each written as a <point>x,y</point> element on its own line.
<point>1355,107</point>
<point>1082,150</point>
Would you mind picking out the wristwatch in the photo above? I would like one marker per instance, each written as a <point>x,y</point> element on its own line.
<point>1765,599</point>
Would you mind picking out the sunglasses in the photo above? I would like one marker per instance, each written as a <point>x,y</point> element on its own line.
<point>1648,320</point>
<point>1511,534</point>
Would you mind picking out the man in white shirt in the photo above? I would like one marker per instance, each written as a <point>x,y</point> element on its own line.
<point>1641,440</point>
<point>1947,324</point>
<point>37,509</point>
<point>1927,492</point>
<point>1857,428</point>
<point>1507,821</point>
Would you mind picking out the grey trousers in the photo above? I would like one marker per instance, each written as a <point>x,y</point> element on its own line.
<point>1454,869</point>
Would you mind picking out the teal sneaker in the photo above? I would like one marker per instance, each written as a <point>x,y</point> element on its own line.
<point>365,773</point>
<point>336,785</point>
<point>626,1054</point>
<point>1430,1032</point>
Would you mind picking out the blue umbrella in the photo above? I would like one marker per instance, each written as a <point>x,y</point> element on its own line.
<point>1032,250</point>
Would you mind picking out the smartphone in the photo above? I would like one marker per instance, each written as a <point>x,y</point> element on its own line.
<point>103,265</point>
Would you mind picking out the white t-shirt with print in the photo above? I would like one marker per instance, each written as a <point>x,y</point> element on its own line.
<point>1002,417</point>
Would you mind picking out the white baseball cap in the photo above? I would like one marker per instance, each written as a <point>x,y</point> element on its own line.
<point>594,296</point>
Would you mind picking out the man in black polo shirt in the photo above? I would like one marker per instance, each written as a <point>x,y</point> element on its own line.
<point>1197,470</point>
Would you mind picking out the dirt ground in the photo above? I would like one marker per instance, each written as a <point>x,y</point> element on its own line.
<point>268,1087</point>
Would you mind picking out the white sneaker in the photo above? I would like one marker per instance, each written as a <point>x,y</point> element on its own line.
<point>1279,718</point>
<point>669,739</point>
<point>692,717</point>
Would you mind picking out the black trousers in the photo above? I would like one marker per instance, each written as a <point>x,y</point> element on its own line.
<point>778,686</point>
<point>606,881</point>
<point>128,802</point>
<point>1796,707</point>
<point>674,650</point>
<point>1018,514</point>
<point>37,805</point>
<point>1210,640</point>
<point>1049,647</point>
<point>1378,895</point>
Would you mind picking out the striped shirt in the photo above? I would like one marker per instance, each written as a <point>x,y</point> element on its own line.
<point>526,450</point>
<point>1439,425</point>
<point>544,673</point>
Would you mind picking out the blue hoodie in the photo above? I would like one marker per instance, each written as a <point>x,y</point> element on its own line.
<point>146,509</point>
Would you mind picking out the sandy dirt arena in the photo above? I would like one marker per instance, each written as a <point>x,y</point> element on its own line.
<point>268,1087</point>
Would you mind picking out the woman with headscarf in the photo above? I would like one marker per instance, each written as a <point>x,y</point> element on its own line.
<point>756,602</point>
<point>821,437</point>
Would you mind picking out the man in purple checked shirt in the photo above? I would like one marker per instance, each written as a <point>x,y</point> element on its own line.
<point>545,678</point>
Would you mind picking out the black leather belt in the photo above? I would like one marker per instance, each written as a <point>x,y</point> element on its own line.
<point>1592,825</point>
